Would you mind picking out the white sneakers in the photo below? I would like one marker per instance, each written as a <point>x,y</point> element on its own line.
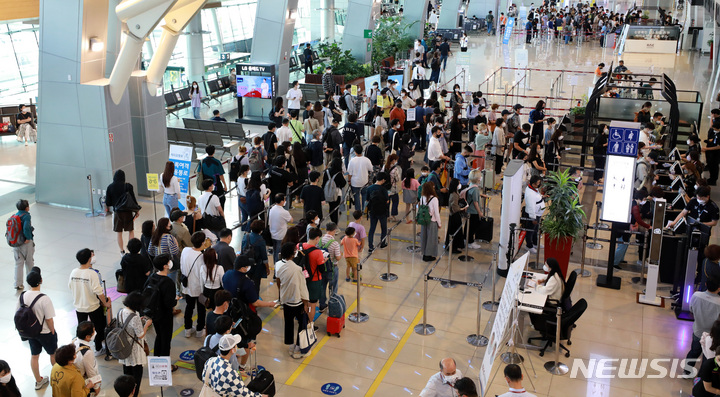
<point>44,382</point>
<point>201,334</point>
<point>189,332</point>
<point>475,245</point>
<point>532,250</point>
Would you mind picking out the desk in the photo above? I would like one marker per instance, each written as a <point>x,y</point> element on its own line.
<point>529,301</point>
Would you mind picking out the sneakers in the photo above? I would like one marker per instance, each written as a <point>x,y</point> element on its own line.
<point>101,352</point>
<point>201,334</point>
<point>347,279</point>
<point>475,246</point>
<point>383,245</point>
<point>44,382</point>
<point>20,287</point>
<point>189,332</point>
<point>297,354</point>
<point>532,250</point>
<point>293,349</point>
<point>323,309</point>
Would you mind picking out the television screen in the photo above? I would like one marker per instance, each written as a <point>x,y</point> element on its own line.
<point>254,86</point>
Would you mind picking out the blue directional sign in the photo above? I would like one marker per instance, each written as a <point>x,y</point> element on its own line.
<point>623,141</point>
<point>331,389</point>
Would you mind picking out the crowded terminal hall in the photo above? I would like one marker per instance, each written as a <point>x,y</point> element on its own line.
<point>434,198</point>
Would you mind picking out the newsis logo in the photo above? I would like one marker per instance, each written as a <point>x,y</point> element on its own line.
<point>632,368</point>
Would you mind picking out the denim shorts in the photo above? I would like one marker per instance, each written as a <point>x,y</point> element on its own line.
<point>43,341</point>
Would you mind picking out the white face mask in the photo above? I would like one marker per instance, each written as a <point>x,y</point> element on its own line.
<point>195,85</point>
<point>560,138</point>
<point>451,379</point>
<point>701,202</point>
<point>643,202</point>
<point>696,187</point>
<point>6,378</point>
<point>93,260</point>
<point>170,265</point>
<point>424,173</point>
<point>546,268</point>
<point>688,142</point>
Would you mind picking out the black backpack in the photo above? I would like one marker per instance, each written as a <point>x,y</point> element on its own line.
<point>202,355</point>
<point>250,324</point>
<point>343,103</point>
<point>151,297</point>
<point>235,169</point>
<point>26,322</point>
<point>268,139</point>
<point>302,259</point>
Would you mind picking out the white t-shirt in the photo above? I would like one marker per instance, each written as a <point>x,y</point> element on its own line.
<point>43,308</point>
<point>85,286</point>
<point>359,168</point>
<point>434,149</point>
<point>294,97</point>
<point>278,220</point>
<point>173,189</point>
<point>217,275</point>
<point>212,207</point>
<point>190,267</point>
<point>283,134</point>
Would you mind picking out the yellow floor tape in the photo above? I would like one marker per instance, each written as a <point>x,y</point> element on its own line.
<point>385,260</point>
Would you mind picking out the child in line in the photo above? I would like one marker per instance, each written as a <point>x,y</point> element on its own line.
<point>410,188</point>
<point>351,245</point>
<point>360,234</point>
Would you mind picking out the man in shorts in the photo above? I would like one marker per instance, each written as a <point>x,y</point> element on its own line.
<point>314,281</point>
<point>47,339</point>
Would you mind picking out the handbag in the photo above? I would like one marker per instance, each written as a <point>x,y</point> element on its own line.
<point>213,222</point>
<point>127,203</point>
<point>301,138</point>
<point>307,337</point>
<point>207,390</point>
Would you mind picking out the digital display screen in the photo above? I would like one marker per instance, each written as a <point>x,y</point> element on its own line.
<point>618,189</point>
<point>254,87</point>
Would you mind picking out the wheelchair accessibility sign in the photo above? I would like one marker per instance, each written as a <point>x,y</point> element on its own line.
<point>623,141</point>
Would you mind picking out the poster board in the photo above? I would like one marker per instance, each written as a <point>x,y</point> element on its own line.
<point>159,371</point>
<point>182,156</point>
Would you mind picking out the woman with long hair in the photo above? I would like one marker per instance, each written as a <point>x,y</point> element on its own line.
<point>429,233</point>
<point>319,115</point>
<point>133,364</point>
<point>162,242</point>
<point>381,126</point>
<point>393,170</point>
<point>195,99</point>
<point>336,173</point>
<point>534,160</point>
<point>301,163</point>
<point>552,285</point>
<point>211,274</point>
<point>170,187</point>
<point>8,387</point>
<point>117,196</point>
<point>536,119</point>
<point>456,97</point>
<point>406,152</point>
<point>147,229</point>
<point>552,151</point>
<point>455,222</point>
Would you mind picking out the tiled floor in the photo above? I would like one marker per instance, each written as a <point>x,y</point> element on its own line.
<point>382,357</point>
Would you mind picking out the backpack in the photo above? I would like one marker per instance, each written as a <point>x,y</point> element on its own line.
<point>118,340</point>
<point>249,323</point>
<point>336,305</point>
<point>202,355</point>
<point>151,297</point>
<point>302,258</point>
<point>268,142</point>
<point>235,169</point>
<point>423,216</point>
<point>200,177</point>
<point>14,234</point>
<point>26,322</point>
<point>330,188</point>
<point>343,103</point>
<point>377,206</point>
<point>255,159</point>
<point>327,267</point>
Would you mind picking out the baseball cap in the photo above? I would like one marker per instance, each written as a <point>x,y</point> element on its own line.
<point>227,342</point>
<point>504,112</point>
<point>177,214</point>
<point>518,106</point>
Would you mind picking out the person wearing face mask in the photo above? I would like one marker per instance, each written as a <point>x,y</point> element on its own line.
<point>642,167</point>
<point>514,377</point>
<point>218,373</point>
<point>137,327</point>
<point>162,305</point>
<point>123,216</point>
<point>600,153</point>
<point>26,126</point>
<point>88,296</point>
<point>693,143</point>
<point>195,99</point>
<point>553,149</point>
<point>442,384</point>
<point>328,82</point>
<point>8,387</point>
<point>521,142</point>
<point>712,155</point>
<point>85,359</point>
<point>552,284</point>
<point>701,208</point>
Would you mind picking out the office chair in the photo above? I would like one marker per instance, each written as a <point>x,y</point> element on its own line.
<point>547,322</point>
<point>565,300</point>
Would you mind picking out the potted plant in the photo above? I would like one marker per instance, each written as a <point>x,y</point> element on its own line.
<point>564,219</point>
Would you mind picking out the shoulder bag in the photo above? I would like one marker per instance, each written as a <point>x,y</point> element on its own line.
<point>212,222</point>
<point>127,203</point>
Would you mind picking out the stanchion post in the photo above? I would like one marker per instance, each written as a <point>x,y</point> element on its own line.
<point>556,367</point>
<point>582,272</point>
<point>425,328</point>
<point>466,257</point>
<point>155,207</point>
<point>414,247</point>
<point>477,339</point>
<point>358,316</point>
<point>92,201</point>
<point>388,276</point>
<point>595,245</point>
<point>288,199</point>
<point>492,305</point>
<point>449,283</point>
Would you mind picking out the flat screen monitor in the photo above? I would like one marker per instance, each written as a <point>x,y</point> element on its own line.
<point>254,86</point>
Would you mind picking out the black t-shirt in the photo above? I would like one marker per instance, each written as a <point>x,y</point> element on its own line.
<point>269,140</point>
<point>704,213</point>
<point>210,322</point>
<point>312,197</point>
<point>375,155</point>
<point>167,300</point>
<point>709,372</point>
<point>23,116</point>
<point>279,180</point>
<point>444,49</point>
<point>519,138</point>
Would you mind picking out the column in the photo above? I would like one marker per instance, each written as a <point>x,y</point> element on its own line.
<point>195,62</point>
<point>218,32</point>
<point>416,12</point>
<point>360,17</point>
<point>449,14</point>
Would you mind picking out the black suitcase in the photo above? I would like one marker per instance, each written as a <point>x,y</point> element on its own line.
<point>263,382</point>
<point>485,229</point>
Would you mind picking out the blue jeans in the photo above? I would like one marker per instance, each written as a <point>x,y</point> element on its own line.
<point>332,281</point>
<point>244,216</point>
<point>170,201</point>
<point>443,59</point>
<point>490,27</point>
<point>277,244</point>
<point>567,39</point>
<point>394,200</point>
<point>196,112</point>
<point>383,228</point>
<point>357,197</point>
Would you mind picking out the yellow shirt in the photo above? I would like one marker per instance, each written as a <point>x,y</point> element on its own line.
<point>67,381</point>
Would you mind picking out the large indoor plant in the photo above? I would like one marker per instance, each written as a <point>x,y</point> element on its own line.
<point>564,219</point>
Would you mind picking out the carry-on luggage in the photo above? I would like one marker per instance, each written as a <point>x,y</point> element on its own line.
<point>336,305</point>
<point>485,230</point>
<point>335,325</point>
<point>262,382</point>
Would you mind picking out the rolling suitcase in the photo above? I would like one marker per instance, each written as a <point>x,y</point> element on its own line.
<point>335,325</point>
<point>263,382</point>
<point>485,229</point>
